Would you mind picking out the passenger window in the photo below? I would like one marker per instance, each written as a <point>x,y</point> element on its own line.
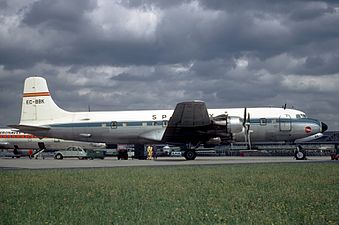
<point>263,121</point>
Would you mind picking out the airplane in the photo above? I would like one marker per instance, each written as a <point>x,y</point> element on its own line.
<point>24,143</point>
<point>189,125</point>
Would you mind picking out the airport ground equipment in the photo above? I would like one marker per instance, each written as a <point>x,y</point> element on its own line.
<point>38,153</point>
<point>335,155</point>
<point>139,151</point>
<point>122,154</point>
<point>95,154</point>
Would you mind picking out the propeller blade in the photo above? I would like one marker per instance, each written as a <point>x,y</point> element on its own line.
<point>249,141</point>
<point>244,121</point>
<point>248,120</point>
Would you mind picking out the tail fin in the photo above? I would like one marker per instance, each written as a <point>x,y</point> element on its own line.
<point>37,103</point>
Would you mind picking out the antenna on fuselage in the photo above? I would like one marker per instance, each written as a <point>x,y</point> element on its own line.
<point>285,106</point>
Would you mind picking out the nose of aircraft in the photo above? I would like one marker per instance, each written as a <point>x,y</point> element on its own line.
<point>324,127</point>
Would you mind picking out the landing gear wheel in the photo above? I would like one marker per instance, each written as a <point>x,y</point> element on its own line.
<point>190,154</point>
<point>300,154</point>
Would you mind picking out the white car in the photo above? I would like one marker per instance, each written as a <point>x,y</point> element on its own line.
<point>71,152</point>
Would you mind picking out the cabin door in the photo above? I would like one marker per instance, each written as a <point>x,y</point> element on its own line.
<point>285,123</point>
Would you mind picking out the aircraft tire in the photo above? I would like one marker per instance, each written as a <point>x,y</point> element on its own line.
<point>190,154</point>
<point>300,155</point>
<point>58,157</point>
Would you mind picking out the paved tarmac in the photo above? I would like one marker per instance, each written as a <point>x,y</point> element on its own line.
<point>50,163</point>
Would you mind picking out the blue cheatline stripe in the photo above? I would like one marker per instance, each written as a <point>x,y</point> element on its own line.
<point>160,123</point>
<point>108,124</point>
<point>284,120</point>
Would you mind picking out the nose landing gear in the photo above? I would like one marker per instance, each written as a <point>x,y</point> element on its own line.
<point>300,153</point>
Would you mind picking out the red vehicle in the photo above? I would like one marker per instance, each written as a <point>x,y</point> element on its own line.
<point>335,155</point>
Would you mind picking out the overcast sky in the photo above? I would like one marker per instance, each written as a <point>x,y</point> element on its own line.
<point>118,55</point>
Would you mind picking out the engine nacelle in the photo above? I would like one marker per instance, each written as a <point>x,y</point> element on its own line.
<point>232,124</point>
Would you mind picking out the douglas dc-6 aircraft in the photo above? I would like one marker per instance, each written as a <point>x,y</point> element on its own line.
<point>190,124</point>
<point>18,141</point>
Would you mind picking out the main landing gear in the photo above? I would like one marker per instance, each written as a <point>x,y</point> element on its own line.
<point>189,152</point>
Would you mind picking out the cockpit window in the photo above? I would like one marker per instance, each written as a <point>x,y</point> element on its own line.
<point>299,116</point>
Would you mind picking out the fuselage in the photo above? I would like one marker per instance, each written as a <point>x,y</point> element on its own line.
<point>147,126</point>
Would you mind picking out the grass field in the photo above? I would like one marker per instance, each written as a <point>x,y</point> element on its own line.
<point>229,194</point>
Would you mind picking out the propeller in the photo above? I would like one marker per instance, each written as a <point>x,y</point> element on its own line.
<point>246,124</point>
<point>249,131</point>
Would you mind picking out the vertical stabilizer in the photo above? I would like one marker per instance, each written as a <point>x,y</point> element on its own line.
<point>37,103</point>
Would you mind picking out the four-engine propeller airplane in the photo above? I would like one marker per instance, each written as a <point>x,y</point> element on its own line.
<point>190,124</point>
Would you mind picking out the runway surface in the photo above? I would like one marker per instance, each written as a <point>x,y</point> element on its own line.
<point>50,163</point>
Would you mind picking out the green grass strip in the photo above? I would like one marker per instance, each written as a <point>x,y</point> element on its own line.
<point>228,194</point>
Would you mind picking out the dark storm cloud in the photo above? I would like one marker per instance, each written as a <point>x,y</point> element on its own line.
<point>152,54</point>
<point>59,15</point>
<point>185,31</point>
<point>3,4</point>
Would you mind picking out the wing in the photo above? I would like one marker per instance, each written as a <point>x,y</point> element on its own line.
<point>189,123</point>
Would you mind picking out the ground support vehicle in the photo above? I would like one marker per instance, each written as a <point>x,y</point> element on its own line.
<point>335,155</point>
<point>95,154</point>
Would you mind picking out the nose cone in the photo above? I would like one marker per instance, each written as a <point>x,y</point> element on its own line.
<point>324,127</point>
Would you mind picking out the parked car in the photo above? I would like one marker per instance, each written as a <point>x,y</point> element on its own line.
<point>71,152</point>
<point>95,154</point>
